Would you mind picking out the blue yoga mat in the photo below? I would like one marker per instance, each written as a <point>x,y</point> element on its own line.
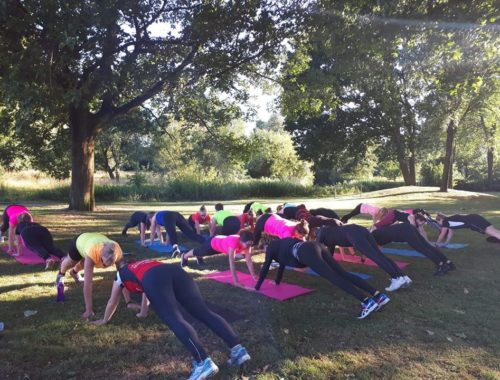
<point>160,248</point>
<point>455,245</point>
<point>402,252</point>
<point>310,272</point>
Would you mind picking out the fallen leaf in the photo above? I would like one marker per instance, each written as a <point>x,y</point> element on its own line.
<point>431,333</point>
<point>466,291</point>
<point>459,311</point>
<point>449,339</point>
<point>461,335</point>
<point>265,368</point>
<point>29,313</point>
<point>286,331</point>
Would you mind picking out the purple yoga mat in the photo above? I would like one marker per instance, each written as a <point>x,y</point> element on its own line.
<point>27,257</point>
<point>279,292</point>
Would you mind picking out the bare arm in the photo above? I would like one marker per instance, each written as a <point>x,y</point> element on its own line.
<point>212,227</point>
<point>152,230</point>
<point>113,302</point>
<point>248,260</point>
<point>143,234</point>
<point>87,288</point>
<point>442,234</point>
<point>421,229</point>
<point>144,307</point>
<point>232,266</point>
<point>449,236</point>
<point>12,236</point>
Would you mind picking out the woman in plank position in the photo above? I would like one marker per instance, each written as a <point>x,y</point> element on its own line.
<point>10,218</point>
<point>88,251</point>
<point>164,287</point>
<point>361,239</point>
<point>406,233</point>
<point>300,254</point>
<point>39,240</point>
<point>169,220</point>
<point>143,221</point>
<point>230,245</point>
<point>473,222</point>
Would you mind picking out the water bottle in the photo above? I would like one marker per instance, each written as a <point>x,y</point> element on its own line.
<point>60,292</point>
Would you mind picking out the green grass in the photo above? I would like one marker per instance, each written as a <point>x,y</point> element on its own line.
<point>440,328</point>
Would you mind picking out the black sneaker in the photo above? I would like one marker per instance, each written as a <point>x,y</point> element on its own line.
<point>451,266</point>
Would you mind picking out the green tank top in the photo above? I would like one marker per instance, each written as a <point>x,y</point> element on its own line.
<point>258,206</point>
<point>87,240</point>
<point>219,216</point>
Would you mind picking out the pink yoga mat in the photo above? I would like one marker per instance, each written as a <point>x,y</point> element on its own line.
<point>367,262</point>
<point>27,257</point>
<point>279,292</point>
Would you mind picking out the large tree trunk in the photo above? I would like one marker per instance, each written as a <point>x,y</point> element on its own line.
<point>404,165</point>
<point>83,128</point>
<point>448,158</point>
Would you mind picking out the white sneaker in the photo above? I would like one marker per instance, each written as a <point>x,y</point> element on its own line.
<point>395,284</point>
<point>408,281</point>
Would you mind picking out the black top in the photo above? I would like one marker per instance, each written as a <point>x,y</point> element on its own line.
<point>281,252</point>
<point>21,226</point>
<point>342,236</point>
<point>290,212</point>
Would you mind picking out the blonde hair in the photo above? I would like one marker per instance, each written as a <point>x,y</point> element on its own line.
<point>109,254</point>
<point>382,212</point>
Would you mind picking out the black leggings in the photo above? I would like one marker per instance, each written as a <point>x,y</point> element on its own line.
<point>135,220</point>
<point>259,228</point>
<point>172,219</point>
<point>403,232</point>
<point>166,286</point>
<point>231,226</point>
<point>356,211</point>
<point>320,221</point>
<point>329,213</point>
<point>40,241</point>
<point>317,257</point>
<point>365,243</point>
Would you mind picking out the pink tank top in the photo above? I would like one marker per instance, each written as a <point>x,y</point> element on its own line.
<point>280,227</point>
<point>369,209</point>
<point>14,211</point>
<point>222,243</point>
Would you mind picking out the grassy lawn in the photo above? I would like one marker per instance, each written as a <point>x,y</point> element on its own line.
<point>440,328</point>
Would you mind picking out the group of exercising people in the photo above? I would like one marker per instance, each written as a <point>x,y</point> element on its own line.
<point>293,236</point>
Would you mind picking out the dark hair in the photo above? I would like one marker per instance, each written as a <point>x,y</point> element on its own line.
<point>302,227</point>
<point>246,235</point>
<point>151,214</point>
<point>219,206</point>
<point>203,208</point>
<point>420,218</point>
<point>279,208</point>
<point>268,210</point>
<point>24,217</point>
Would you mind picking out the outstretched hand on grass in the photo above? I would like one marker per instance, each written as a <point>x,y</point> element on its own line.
<point>99,322</point>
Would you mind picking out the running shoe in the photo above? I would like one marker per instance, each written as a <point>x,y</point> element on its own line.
<point>367,307</point>
<point>184,261</point>
<point>381,299</point>
<point>396,283</point>
<point>176,252</point>
<point>75,276</point>
<point>238,356</point>
<point>203,370</point>
<point>408,281</point>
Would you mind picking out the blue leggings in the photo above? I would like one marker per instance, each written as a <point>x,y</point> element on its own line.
<point>166,286</point>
